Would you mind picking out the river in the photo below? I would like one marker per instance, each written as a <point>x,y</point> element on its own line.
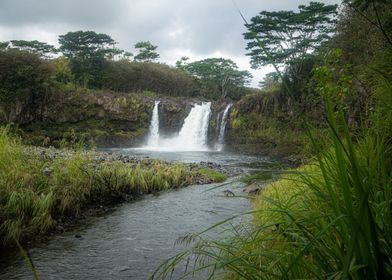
<point>131,240</point>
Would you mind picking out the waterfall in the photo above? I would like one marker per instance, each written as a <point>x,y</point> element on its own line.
<point>191,137</point>
<point>153,138</point>
<point>222,129</point>
<point>193,134</point>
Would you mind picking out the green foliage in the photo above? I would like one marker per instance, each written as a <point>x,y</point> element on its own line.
<point>91,60</point>
<point>63,70</point>
<point>149,93</point>
<point>127,55</point>
<point>126,76</point>
<point>329,219</point>
<point>35,190</point>
<point>288,37</point>
<point>146,52</point>
<point>4,45</point>
<point>211,173</point>
<point>86,51</point>
<point>256,177</point>
<point>271,82</point>
<point>219,76</point>
<point>263,123</point>
<point>293,40</point>
<point>181,63</point>
<point>23,75</point>
<point>40,48</point>
<point>24,198</point>
<point>376,12</point>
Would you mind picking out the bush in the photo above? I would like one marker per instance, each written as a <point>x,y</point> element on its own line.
<point>23,75</point>
<point>126,76</point>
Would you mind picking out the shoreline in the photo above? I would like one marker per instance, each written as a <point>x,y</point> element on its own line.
<point>65,186</point>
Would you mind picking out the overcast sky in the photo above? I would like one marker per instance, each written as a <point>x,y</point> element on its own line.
<point>194,28</point>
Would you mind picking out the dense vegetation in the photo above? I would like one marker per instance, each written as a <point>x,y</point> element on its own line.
<point>330,97</point>
<point>36,189</point>
<point>332,217</point>
<point>91,60</point>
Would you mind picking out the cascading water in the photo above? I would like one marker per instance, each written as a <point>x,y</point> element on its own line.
<point>153,138</point>
<point>192,136</point>
<point>222,129</point>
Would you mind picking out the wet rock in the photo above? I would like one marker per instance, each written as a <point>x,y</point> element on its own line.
<point>227,193</point>
<point>253,188</point>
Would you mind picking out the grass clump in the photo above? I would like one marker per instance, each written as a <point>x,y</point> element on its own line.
<point>256,177</point>
<point>212,174</point>
<point>35,191</point>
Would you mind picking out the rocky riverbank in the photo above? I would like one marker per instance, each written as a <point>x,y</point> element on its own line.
<point>52,153</point>
<point>43,189</point>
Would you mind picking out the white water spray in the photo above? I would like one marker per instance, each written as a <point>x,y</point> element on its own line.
<point>192,136</point>
<point>222,129</point>
<point>153,138</point>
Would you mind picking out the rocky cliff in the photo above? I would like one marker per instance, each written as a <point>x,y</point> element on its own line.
<point>106,119</point>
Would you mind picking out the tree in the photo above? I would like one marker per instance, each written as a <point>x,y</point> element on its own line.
<point>146,51</point>
<point>381,17</point>
<point>127,56</point>
<point>116,52</point>
<point>126,76</point>
<point>271,82</point>
<point>25,78</point>
<point>182,62</point>
<point>4,45</point>
<point>63,72</point>
<point>288,37</point>
<point>219,75</point>
<point>40,48</point>
<point>87,51</point>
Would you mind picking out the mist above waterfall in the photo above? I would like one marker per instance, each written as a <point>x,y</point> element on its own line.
<point>191,137</point>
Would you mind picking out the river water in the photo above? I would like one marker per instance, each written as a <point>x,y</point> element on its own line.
<point>132,240</point>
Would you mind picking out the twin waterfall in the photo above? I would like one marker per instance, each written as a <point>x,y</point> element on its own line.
<point>222,129</point>
<point>153,138</point>
<point>193,134</point>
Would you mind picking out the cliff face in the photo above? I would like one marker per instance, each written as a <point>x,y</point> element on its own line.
<point>101,117</point>
<point>172,113</point>
<point>108,119</point>
<point>265,125</point>
<point>104,118</point>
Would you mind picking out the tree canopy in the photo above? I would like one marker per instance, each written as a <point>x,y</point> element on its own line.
<point>4,45</point>
<point>146,52</point>
<point>40,48</point>
<point>23,75</point>
<point>86,44</point>
<point>381,16</point>
<point>288,37</point>
<point>219,74</point>
<point>87,51</point>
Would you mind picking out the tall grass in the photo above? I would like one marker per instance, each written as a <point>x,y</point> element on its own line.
<point>35,192</point>
<point>330,220</point>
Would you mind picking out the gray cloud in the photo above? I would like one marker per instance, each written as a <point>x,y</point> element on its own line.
<point>199,28</point>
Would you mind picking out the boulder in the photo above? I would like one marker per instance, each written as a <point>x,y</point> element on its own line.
<point>253,188</point>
